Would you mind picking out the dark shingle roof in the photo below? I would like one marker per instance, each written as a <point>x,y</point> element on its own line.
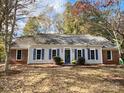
<point>62,39</point>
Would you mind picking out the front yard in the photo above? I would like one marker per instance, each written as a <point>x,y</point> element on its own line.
<point>66,79</point>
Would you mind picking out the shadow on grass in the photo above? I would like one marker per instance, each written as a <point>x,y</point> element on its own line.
<point>64,80</point>
<point>114,80</point>
<point>10,72</point>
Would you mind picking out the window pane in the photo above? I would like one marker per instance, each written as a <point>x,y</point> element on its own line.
<point>92,54</point>
<point>108,54</point>
<point>38,54</point>
<point>19,54</point>
<point>53,53</point>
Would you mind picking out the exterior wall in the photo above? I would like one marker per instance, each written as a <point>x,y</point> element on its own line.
<point>62,54</point>
<point>13,59</point>
<point>115,56</point>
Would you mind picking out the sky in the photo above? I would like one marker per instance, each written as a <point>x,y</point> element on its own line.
<point>40,5</point>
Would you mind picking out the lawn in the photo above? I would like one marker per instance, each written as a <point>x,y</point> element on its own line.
<point>65,79</point>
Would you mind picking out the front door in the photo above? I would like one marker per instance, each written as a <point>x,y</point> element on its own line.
<point>67,56</point>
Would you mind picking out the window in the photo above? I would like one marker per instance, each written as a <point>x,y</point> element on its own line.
<point>19,55</point>
<point>79,53</point>
<point>54,53</point>
<point>92,54</point>
<point>109,55</point>
<point>38,54</point>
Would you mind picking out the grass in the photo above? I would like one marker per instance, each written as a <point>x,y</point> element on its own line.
<point>66,79</point>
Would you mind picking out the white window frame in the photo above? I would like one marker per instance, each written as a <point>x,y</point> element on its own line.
<point>40,55</point>
<point>111,55</point>
<point>52,52</point>
<point>77,52</point>
<point>94,54</point>
<point>94,49</point>
<point>17,55</point>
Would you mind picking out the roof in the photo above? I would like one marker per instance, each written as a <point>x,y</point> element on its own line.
<point>26,41</point>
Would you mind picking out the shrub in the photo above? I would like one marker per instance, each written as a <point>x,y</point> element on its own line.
<point>81,61</point>
<point>58,60</point>
<point>62,62</point>
<point>73,61</point>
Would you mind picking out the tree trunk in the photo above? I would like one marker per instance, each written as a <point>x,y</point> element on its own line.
<point>6,38</point>
<point>6,69</point>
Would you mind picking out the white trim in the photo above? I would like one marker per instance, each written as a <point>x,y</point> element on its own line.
<point>94,54</point>
<point>111,56</point>
<point>94,49</point>
<point>40,55</point>
<point>52,52</point>
<point>77,52</point>
<point>17,54</point>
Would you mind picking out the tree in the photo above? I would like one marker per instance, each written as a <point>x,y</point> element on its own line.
<point>31,26</point>
<point>37,24</point>
<point>2,53</point>
<point>74,24</point>
<point>8,18</point>
<point>103,18</point>
<point>77,17</point>
<point>111,22</point>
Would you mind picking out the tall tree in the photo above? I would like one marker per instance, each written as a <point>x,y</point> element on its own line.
<point>111,22</point>
<point>8,18</point>
<point>76,17</point>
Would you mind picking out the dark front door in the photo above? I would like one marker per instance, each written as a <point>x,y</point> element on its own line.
<point>67,56</point>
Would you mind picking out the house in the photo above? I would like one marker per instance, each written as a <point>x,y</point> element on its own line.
<point>43,47</point>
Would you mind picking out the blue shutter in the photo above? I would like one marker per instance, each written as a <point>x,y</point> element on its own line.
<point>88,53</point>
<point>58,52</point>
<point>43,54</point>
<point>34,54</point>
<point>75,54</point>
<point>96,54</point>
<point>49,53</point>
<point>83,53</point>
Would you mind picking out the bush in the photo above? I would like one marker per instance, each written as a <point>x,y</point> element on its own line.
<point>58,60</point>
<point>62,62</point>
<point>73,61</point>
<point>81,61</point>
